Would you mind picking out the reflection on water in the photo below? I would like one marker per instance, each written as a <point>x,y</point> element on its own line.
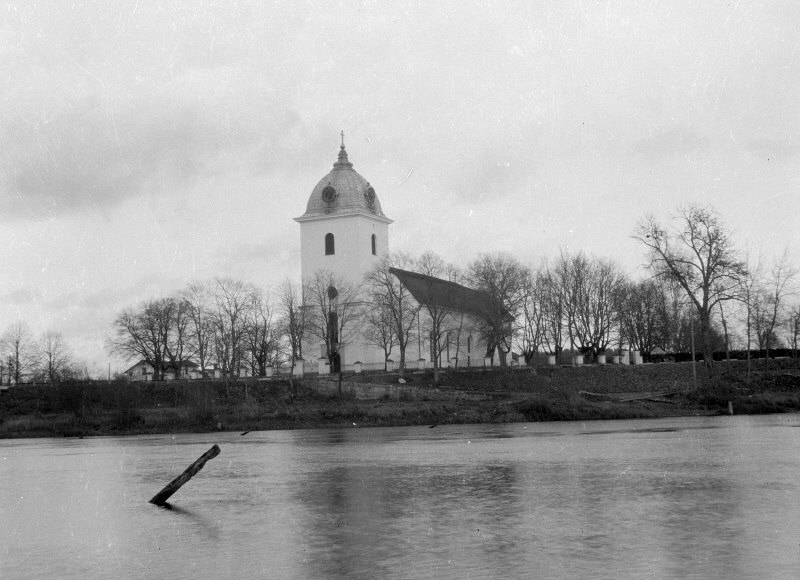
<point>700,497</point>
<point>373,520</point>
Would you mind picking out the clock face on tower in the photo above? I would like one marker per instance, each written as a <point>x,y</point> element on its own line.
<point>369,196</point>
<point>328,194</point>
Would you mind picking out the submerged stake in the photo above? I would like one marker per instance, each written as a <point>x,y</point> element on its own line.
<point>162,496</point>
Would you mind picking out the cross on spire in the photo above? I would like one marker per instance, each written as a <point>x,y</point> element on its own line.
<point>342,162</point>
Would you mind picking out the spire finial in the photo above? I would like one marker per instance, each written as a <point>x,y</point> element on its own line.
<point>343,161</point>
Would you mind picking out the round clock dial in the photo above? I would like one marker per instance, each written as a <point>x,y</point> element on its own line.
<point>369,196</point>
<point>328,194</point>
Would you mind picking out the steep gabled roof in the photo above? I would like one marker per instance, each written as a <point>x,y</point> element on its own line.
<point>138,364</point>
<point>438,293</point>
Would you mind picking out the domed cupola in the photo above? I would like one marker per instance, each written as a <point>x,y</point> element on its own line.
<point>343,191</point>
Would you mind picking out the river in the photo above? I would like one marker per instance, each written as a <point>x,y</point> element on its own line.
<point>699,497</point>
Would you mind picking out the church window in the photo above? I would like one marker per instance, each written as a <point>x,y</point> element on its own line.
<point>333,330</point>
<point>329,246</point>
<point>374,245</point>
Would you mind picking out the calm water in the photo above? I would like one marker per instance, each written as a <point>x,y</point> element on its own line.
<point>679,498</point>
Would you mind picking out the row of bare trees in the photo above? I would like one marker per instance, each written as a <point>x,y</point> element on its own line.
<point>698,291</point>
<point>696,254</point>
<point>25,357</point>
<point>223,323</point>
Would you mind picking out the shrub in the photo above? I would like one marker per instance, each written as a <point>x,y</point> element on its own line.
<point>535,409</point>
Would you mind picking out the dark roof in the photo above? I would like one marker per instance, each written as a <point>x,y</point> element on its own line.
<point>438,293</point>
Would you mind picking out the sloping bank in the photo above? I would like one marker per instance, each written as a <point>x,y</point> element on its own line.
<point>549,394</point>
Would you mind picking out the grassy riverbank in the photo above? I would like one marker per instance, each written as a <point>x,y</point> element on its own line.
<point>549,394</point>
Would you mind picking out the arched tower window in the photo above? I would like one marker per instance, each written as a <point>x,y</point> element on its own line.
<point>374,245</point>
<point>333,330</point>
<point>329,247</point>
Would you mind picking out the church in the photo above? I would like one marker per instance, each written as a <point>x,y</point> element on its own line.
<point>345,233</point>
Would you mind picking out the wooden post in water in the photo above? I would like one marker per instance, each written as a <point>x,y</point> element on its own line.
<point>162,496</point>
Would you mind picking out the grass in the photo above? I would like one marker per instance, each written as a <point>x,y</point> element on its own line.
<point>551,394</point>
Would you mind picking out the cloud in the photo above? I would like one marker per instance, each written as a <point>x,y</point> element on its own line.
<point>675,141</point>
<point>261,263</point>
<point>88,158</point>
<point>22,296</point>
<point>102,152</point>
<point>772,148</point>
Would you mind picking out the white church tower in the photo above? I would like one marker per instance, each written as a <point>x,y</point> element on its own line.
<point>344,231</point>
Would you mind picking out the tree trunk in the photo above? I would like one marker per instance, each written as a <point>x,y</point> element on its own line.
<point>705,331</point>
<point>725,330</point>
<point>291,375</point>
<point>749,365</point>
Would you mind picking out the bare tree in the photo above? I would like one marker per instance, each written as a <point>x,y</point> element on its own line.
<point>673,313</point>
<point>641,310</point>
<point>379,330</point>
<point>292,319</point>
<point>506,282</point>
<point>148,332</point>
<point>773,292</point>
<point>532,330</point>
<point>334,311</point>
<point>177,352</point>
<point>726,334</point>
<point>749,297</point>
<point>231,302</point>
<point>438,320</point>
<point>17,346</point>
<point>395,310</point>
<point>698,255</point>
<point>569,277</point>
<point>260,333</point>
<point>763,297</point>
<point>590,289</point>
<point>54,357</point>
<point>197,304</point>
<point>554,311</point>
<point>793,331</point>
<point>431,264</point>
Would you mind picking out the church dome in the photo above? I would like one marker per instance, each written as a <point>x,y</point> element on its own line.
<point>343,191</point>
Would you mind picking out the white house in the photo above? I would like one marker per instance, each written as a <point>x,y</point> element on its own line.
<point>144,371</point>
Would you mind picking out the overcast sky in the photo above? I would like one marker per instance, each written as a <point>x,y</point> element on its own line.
<point>145,144</point>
